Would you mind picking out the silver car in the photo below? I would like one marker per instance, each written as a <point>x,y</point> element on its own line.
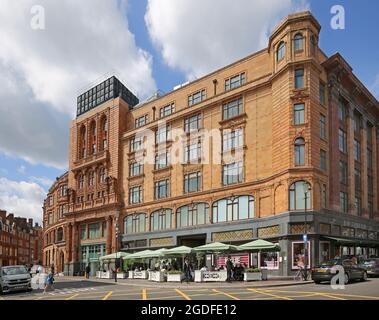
<point>14,278</point>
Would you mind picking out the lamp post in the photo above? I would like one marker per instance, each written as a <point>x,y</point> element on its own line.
<point>306,188</point>
<point>115,261</point>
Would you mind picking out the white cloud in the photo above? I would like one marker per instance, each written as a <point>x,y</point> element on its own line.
<point>198,36</point>
<point>21,169</point>
<point>22,198</point>
<point>42,181</point>
<point>42,71</point>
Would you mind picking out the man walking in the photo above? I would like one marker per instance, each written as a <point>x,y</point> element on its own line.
<point>88,270</point>
<point>187,270</point>
<point>229,268</point>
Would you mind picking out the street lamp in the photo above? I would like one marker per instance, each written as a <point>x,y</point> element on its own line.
<point>306,189</point>
<point>115,261</point>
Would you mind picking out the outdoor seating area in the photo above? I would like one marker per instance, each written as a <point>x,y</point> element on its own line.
<point>187,264</point>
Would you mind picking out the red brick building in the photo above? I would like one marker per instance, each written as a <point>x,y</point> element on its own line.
<point>20,240</point>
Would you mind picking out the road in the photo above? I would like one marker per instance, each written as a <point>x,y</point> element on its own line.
<point>72,289</point>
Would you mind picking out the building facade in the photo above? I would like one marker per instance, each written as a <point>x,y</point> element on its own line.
<point>276,145</point>
<point>20,240</point>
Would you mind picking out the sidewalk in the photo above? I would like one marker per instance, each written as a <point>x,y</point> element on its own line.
<point>190,285</point>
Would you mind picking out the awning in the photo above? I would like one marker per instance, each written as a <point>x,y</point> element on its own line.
<point>353,241</point>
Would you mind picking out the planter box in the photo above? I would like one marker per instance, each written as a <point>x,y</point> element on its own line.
<point>130,274</point>
<point>210,276</point>
<point>175,277</point>
<point>252,276</point>
<point>121,275</point>
<point>140,275</point>
<point>157,276</point>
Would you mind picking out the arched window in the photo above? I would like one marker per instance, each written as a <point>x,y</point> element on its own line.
<point>298,42</point>
<point>82,142</point>
<point>192,215</point>
<point>161,220</point>
<point>281,51</point>
<point>104,130</point>
<point>297,191</point>
<point>91,178</point>
<point>233,208</point>
<point>102,175</point>
<point>81,182</point>
<point>135,223</point>
<point>60,234</point>
<point>93,137</point>
<point>299,152</point>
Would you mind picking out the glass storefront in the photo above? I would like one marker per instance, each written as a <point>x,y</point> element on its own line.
<point>298,254</point>
<point>90,255</point>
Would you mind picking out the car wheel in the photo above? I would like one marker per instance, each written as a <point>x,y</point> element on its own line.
<point>347,278</point>
<point>317,282</point>
<point>364,276</point>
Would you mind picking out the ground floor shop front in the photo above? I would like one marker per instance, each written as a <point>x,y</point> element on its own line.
<point>328,235</point>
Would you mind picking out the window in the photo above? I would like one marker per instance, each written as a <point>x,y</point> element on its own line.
<point>167,110</point>
<point>342,141</point>
<point>342,110</point>
<point>91,178</point>
<point>323,160</point>
<point>141,121</point>
<point>343,202</point>
<point>297,196</point>
<point>196,97</point>
<point>192,182</point>
<point>235,82</point>
<point>322,127</point>
<point>370,184</point>
<point>161,219</point>
<point>370,210</point>
<point>281,51</point>
<point>298,255</point>
<point>162,160</point>
<point>81,182</point>
<point>232,139</point>
<point>299,78</point>
<point>192,123</point>
<point>299,152</point>
<point>135,169</point>
<point>94,231</point>
<point>232,109</point>
<point>192,215</point>
<point>83,232</point>
<point>163,134</point>
<point>357,179</point>
<point>323,196</point>
<point>162,189</point>
<point>322,93</point>
<point>357,123</point>
<point>135,223</point>
<point>313,44</point>
<point>233,209</point>
<point>136,144</point>
<point>357,150</point>
<point>343,172</point>
<point>102,174</point>
<point>60,234</point>
<point>103,229</point>
<point>298,42</point>
<point>192,153</point>
<point>369,135</point>
<point>232,173</point>
<point>51,200</point>
<point>369,159</point>
<point>50,219</point>
<point>358,206</point>
<point>299,114</point>
<point>135,195</point>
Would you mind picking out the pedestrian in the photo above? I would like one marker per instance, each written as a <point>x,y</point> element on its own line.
<point>187,270</point>
<point>229,267</point>
<point>49,282</point>
<point>88,270</point>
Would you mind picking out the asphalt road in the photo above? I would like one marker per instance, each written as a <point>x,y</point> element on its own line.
<point>94,290</point>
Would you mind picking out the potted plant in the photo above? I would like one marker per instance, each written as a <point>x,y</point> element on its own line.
<point>251,274</point>
<point>174,276</point>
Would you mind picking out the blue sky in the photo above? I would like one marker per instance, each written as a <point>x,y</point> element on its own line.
<point>149,49</point>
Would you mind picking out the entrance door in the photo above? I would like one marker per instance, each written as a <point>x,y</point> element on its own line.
<point>62,262</point>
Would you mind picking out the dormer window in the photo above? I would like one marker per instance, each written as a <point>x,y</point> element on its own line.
<point>281,51</point>
<point>298,42</point>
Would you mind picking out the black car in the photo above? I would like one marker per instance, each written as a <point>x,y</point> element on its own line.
<point>324,272</point>
<point>371,266</point>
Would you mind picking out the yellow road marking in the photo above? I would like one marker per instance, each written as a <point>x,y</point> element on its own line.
<point>330,296</point>
<point>226,294</point>
<point>107,295</point>
<point>269,294</point>
<point>39,298</point>
<point>334,294</point>
<point>183,294</point>
<point>144,294</point>
<point>72,297</point>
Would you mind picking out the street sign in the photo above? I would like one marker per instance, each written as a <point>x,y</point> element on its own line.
<point>305,237</point>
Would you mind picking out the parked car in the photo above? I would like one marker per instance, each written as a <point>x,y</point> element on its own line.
<point>324,272</point>
<point>371,266</point>
<point>14,278</point>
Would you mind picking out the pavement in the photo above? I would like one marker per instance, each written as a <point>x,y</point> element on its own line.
<point>75,288</point>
